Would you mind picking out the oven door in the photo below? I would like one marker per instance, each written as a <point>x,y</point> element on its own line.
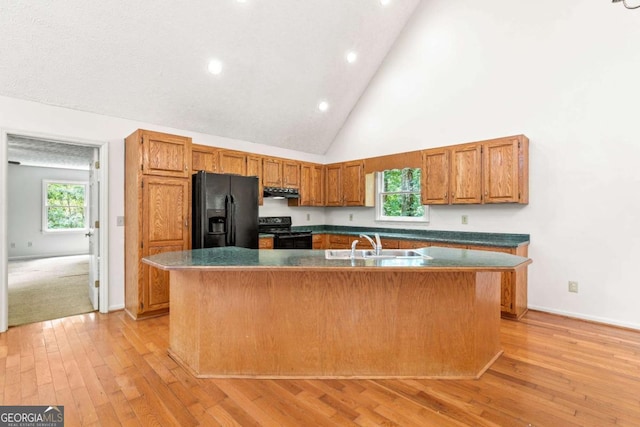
<point>292,241</point>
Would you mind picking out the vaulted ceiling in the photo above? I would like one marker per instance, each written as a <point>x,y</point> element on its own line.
<point>149,61</point>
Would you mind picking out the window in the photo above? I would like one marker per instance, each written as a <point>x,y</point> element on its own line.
<point>65,206</point>
<point>398,196</point>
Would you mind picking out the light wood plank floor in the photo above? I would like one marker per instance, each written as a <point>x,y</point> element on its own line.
<point>108,370</point>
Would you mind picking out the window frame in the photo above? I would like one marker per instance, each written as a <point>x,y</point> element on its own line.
<point>379,197</point>
<point>45,206</point>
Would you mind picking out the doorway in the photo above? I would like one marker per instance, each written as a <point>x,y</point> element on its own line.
<point>56,153</point>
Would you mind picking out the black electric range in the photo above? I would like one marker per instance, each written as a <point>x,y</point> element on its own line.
<point>283,236</point>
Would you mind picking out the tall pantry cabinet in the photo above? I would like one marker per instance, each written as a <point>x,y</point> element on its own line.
<point>157,201</point>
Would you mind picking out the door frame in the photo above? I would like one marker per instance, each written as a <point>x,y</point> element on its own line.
<point>103,177</point>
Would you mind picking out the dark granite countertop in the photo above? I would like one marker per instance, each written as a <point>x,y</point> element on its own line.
<point>461,237</point>
<point>437,258</point>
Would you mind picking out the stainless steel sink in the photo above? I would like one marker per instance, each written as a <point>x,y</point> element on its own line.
<point>370,254</point>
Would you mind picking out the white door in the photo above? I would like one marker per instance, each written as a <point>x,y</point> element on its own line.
<point>94,230</point>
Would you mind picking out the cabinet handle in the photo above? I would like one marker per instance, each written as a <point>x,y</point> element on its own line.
<point>445,195</point>
<point>186,223</point>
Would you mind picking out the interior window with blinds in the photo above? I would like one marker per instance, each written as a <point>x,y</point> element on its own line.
<point>398,196</point>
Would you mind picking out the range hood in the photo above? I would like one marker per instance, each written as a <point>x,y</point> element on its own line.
<point>280,193</point>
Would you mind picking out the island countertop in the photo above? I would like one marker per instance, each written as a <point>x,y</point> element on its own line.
<point>235,258</point>
<point>249,313</point>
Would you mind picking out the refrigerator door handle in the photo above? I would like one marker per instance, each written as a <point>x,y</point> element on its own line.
<point>228,221</point>
<point>232,217</point>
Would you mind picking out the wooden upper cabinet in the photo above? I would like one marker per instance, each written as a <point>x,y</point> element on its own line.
<point>272,172</point>
<point>333,185</point>
<point>353,183</point>
<point>233,162</point>
<point>311,186</point>
<point>204,158</point>
<point>466,174</point>
<point>344,184</point>
<point>505,178</point>
<point>254,168</point>
<point>317,185</point>
<point>290,174</point>
<point>164,154</point>
<point>492,171</point>
<point>435,176</point>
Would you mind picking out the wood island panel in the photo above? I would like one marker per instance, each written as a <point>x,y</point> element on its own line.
<point>335,324</point>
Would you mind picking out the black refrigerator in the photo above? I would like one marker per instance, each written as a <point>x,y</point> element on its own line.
<point>225,210</point>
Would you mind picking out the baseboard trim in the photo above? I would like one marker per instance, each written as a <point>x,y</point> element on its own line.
<point>595,319</point>
<point>37,256</point>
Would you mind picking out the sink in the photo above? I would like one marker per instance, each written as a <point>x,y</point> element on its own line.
<point>343,254</point>
<point>370,254</point>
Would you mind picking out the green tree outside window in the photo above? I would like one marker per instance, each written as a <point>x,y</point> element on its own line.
<point>65,206</point>
<point>399,195</point>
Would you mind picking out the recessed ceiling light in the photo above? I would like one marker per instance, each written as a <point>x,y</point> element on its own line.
<point>385,2</point>
<point>215,67</point>
<point>352,56</point>
<point>323,106</point>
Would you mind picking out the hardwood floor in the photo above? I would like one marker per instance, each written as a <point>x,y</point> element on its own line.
<point>108,370</point>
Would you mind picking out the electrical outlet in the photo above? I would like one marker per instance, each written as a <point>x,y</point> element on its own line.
<point>29,244</point>
<point>350,217</point>
<point>120,221</point>
<point>465,219</point>
<point>573,286</point>
<point>308,217</point>
<point>13,245</point>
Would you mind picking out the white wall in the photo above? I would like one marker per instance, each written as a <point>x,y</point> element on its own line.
<point>566,74</point>
<point>24,219</point>
<point>30,117</point>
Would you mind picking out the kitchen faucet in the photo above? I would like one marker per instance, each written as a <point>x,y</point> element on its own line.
<point>377,246</point>
<point>353,248</point>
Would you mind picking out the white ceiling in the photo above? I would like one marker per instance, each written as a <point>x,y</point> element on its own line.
<point>50,154</point>
<point>147,61</point>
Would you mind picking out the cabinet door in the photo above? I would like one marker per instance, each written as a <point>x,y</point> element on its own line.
<point>265,243</point>
<point>435,176</point>
<point>165,227</point>
<point>306,186</point>
<point>466,174</point>
<point>318,241</point>
<point>317,185</point>
<point>165,155</point>
<point>390,244</point>
<point>500,163</point>
<point>254,168</point>
<point>272,172</point>
<point>233,162</point>
<point>333,185</point>
<point>204,159</point>
<point>290,174</point>
<point>353,183</point>
<point>338,241</point>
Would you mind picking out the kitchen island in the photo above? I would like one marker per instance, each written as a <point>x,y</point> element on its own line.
<point>250,313</point>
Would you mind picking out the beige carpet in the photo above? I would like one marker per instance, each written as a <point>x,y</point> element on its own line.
<point>48,288</point>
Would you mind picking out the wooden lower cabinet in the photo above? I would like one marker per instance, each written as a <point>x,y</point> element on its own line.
<point>339,241</point>
<point>265,243</point>
<point>513,286</point>
<point>317,241</point>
